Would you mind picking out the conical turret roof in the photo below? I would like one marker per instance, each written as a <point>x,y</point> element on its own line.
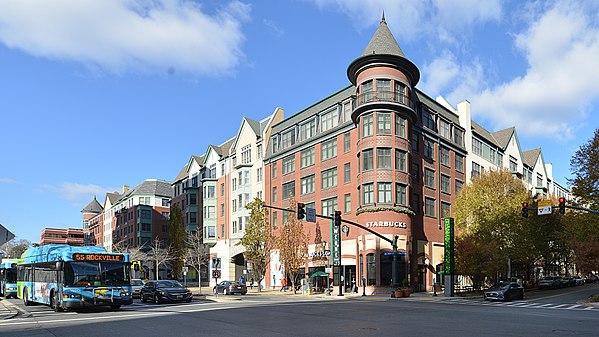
<point>383,42</point>
<point>93,207</point>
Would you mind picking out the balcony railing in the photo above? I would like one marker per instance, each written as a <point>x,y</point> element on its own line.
<point>384,96</point>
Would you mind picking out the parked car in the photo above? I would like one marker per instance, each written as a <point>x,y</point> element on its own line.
<point>550,282</point>
<point>592,279</point>
<point>505,291</point>
<point>230,287</point>
<point>571,281</point>
<point>579,281</point>
<point>136,285</point>
<point>165,291</point>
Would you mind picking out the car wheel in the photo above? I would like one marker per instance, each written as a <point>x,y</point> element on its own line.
<point>188,300</point>
<point>156,299</point>
<point>115,307</point>
<point>226,291</point>
<point>506,297</point>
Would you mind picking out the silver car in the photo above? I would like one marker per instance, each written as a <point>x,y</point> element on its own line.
<point>136,285</point>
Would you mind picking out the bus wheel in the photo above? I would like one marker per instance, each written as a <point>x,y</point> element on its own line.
<point>115,307</point>
<point>26,301</point>
<point>54,302</point>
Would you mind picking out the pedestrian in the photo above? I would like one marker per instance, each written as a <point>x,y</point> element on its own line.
<point>283,284</point>
<point>354,289</point>
<point>252,283</point>
<point>274,282</point>
<point>242,280</point>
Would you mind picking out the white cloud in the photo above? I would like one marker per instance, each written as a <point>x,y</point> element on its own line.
<point>128,35</point>
<point>562,79</point>
<point>440,20</point>
<point>8,181</point>
<point>76,192</point>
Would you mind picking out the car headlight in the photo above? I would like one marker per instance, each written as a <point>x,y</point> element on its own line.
<point>125,293</point>
<point>163,293</point>
<point>12,288</point>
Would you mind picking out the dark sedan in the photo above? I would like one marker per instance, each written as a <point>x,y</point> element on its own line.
<point>504,292</point>
<point>165,291</point>
<point>230,287</point>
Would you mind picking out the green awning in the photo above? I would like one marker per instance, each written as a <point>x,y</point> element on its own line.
<point>318,273</point>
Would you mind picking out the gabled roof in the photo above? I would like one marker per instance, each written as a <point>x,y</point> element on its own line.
<point>383,42</point>
<point>150,187</point>
<point>93,207</point>
<point>530,157</point>
<point>255,125</point>
<point>503,137</point>
<point>182,174</point>
<point>486,135</point>
<point>112,197</point>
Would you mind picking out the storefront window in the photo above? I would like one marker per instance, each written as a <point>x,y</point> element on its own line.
<point>371,269</point>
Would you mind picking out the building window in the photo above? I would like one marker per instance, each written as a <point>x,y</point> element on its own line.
<point>384,193</point>
<point>367,160</point>
<point>234,205</point>
<point>539,180</point>
<point>288,139</point>
<point>459,163</point>
<point>308,129</point>
<point>307,184</point>
<point>192,199</point>
<point>371,269</point>
<point>400,126</point>
<point>367,92</point>
<point>444,156</point>
<point>428,120</point>
<point>429,207</point>
<point>367,125</point>
<point>347,203</point>
<point>347,112</point>
<point>383,89</point>
<point>329,178</point>
<point>222,189</point>
<point>513,164</point>
<point>458,137</point>
<point>259,151</point>
<point>285,217</point>
<point>329,149</point>
<point>346,142</point>
<point>499,159</point>
<point>429,149</point>
<point>234,183</point>
<point>246,154</point>
<point>329,120</point>
<point>210,192</point>
<point>259,174</point>
<point>222,169</point>
<point>458,186</point>
<point>415,144</point>
<point>445,129</point>
<point>445,210</point>
<point>288,190</point>
<point>445,184</point>
<point>383,158</point>
<point>329,206</point>
<point>477,147</point>
<point>288,164</point>
<point>222,209</point>
<point>416,173</point>
<point>400,161</point>
<point>274,194</point>
<point>274,219</point>
<point>367,194</point>
<point>274,169</point>
<point>346,173</point>
<point>416,203</point>
<point>383,126</point>
<point>400,92</point>
<point>400,194</point>
<point>475,170</point>
<point>307,157</point>
<point>429,178</point>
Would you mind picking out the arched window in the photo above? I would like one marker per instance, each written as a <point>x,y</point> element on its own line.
<point>371,269</point>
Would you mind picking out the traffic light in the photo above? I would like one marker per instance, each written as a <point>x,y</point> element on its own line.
<point>562,205</point>
<point>337,218</point>
<point>301,210</point>
<point>525,209</point>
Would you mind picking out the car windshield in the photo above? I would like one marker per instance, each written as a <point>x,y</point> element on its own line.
<point>137,283</point>
<point>168,284</point>
<point>501,285</point>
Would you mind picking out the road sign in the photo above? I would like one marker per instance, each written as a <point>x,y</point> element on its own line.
<point>544,207</point>
<point>310,214</point>
<point>216,273</point>
<point>216,262</point>
<point>5,235</point>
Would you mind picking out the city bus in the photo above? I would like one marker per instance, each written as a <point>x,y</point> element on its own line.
<point>8,278</point>
<point>71,277</point>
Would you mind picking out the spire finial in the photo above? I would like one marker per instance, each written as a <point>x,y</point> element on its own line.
<point>383,18</point>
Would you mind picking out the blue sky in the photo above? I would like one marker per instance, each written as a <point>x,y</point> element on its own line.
<point>95,94</point>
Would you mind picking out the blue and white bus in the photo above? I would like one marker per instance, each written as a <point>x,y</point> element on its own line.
<point>8,278</point>
<point>70,277</point>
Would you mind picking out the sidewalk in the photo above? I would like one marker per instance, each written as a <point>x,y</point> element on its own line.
<point>7,309</point>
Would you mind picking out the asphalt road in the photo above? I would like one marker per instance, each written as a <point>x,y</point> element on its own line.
<point>301,316</point>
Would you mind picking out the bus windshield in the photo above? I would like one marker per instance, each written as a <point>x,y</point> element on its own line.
<point>11,275</point>
<point>97,274</point>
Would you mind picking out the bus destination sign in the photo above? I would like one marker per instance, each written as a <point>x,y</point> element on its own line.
<point>98,257</point>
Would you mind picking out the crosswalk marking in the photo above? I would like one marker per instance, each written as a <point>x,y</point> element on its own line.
<point>516,304</point>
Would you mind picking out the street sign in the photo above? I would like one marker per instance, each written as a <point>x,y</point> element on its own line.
<point>345,229</point>
<point>216,273</point>
<point>544,207</point>
<point>216,262</point>
<point>185,270</point>
<point>310,214</point>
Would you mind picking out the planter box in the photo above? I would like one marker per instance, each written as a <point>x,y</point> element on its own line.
<point>406,292</point>
<point>398,293</point>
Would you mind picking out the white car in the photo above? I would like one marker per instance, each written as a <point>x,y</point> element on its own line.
<point>136,285</point>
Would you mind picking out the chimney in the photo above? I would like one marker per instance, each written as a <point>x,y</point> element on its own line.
<point>125,189</point>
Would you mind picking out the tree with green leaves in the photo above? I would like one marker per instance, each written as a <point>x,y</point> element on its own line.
<point>257,240</point>
<point>488,211</point>
<point>584,165</point>
<point>177,237</point>
<point>292,243</point>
